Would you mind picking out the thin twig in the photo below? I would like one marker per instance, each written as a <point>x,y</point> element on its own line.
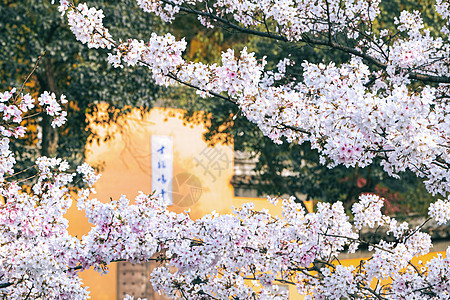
<point>29,75</point>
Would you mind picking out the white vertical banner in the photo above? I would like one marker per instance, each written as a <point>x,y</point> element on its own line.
<point>162,166</point>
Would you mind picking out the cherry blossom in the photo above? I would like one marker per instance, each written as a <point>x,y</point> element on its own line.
<point>352,121</point>
<point>389,101</point>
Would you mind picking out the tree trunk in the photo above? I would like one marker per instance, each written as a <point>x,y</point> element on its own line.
<point>50,137</point>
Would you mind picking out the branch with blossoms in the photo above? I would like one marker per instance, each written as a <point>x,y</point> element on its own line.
<point>322,32</point>
<point>227,256</point>
<point>217,256</point>
<point>30,226</point>
<point>350,113</point>
<point>300,250</point>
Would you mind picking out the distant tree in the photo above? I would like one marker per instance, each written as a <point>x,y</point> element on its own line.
<point>31,28</point>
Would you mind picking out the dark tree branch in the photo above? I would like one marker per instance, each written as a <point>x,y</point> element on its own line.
<point>5,284</point>
<point>174,77</point>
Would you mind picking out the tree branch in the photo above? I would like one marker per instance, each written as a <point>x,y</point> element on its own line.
<point>311,41</point>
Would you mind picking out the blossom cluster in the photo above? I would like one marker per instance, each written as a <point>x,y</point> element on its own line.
<point>36,218</point>
<point>337,109</point>
<point>240,255</point>
<point>12,108</point>
<point>87,25</point>
<point>53,108</point>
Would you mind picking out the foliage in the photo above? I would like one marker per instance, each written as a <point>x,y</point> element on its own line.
<point>33,28</point>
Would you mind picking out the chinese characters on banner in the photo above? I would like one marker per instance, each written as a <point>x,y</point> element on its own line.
<point>162,166</point>
<point>213,160</point>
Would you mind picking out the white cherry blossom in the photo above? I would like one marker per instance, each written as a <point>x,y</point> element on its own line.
<point>352,113</point>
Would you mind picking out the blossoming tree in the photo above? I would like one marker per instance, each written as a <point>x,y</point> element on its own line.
<point>389,101</point>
